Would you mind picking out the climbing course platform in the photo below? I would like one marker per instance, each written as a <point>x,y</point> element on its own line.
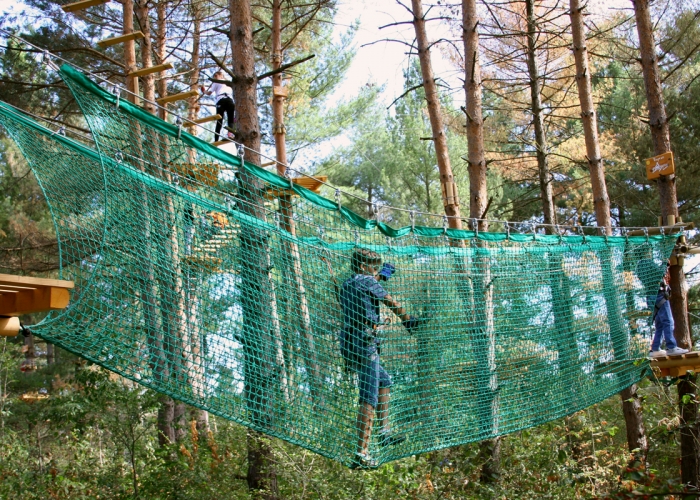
<point>676,366</point>
<point>191,280</point>
<point>24,295</point>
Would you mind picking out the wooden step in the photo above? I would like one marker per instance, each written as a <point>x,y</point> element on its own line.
<point>206,119</point>
<point>108,42</point>
<point>202,173</point>
<point>224,239</point>
<point>82,5</point>
<point>206,262</point>
<point>33,397</point>
<point>153,69</point>
<point>222,142</point>
<point>177,97</point>
<point>313,184</point>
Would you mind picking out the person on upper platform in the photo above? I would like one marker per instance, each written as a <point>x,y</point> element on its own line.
<point>224,105</point>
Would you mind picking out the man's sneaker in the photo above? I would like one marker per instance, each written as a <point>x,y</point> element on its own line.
<point>676,351</point>
<point>362,461</point>
<point>657,354</point>
<point>389,439</point>
<point>230,135</point>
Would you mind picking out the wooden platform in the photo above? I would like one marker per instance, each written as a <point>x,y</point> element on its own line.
<point>23,295</point>
<point>33,397</point>
<point>82,5</point>
<point>194,174</point>
<point>311,183</point>
<point>204,253</point>
<point>676,366</point>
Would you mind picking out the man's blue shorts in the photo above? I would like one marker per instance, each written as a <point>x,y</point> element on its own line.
<point>364,360</point>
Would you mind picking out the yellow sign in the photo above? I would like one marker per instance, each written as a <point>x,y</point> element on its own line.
<point>660,165</point>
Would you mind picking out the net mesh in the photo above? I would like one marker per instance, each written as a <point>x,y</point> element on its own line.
<point>232,289</point>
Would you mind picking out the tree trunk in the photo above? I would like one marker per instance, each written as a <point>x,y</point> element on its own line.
<point>601,202</point>
<point>197,338</point>
<point>261,477</point>
<point>28,364</point>
<point>166,415</point>
<point>168,409</point>
<point>489,449</point>
<point>631,406</point>
<point>661,140</point>
<point>450,198</point>
<point>475,122</point>
<point>160,51</point>
<point>50,353</point>
<point>538,116</point>
<point>132,83</point>
<point>149,90</point>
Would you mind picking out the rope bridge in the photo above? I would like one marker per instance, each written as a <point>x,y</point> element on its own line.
<point>216,282</point>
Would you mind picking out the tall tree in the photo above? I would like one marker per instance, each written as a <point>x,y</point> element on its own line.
<point>661,140</point>
<point>450,197</point>
<point>476,163</point>
<point>631,406</point>
<point>262,477</point>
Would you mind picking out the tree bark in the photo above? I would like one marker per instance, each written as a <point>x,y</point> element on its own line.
<point>661,140</point>
<point>489,449</point>
<point>161,50</point>
<point>149,90</point>
<point>262,476</point>
<point>193,107</point>
<point>631,406</point>
<point>450,199</point>
<point>132,83</point>
<point>50,353</point>
<point>538,115</point>
<point>601,201</point>
<point>475,122</point>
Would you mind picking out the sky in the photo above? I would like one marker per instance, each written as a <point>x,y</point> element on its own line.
<point>383,62</point>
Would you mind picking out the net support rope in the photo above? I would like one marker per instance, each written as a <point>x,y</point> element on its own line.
<point>234,290</point>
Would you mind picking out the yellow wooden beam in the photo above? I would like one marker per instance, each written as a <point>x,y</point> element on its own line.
<point>312,183</point>
<point>108,42</point>
<point>222,142</point>
<point>153,69</point>
<point>208,119</point>
<point>653,231</point>
<point>177,97</point>
<point>84,4</point>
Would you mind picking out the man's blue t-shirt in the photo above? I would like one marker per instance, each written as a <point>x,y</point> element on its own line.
<point>360,298</point>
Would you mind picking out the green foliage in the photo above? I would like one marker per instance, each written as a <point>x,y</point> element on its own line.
<point>95,430</point>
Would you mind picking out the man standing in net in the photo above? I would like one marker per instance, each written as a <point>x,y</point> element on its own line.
<point>360,298</point>
<point>658,295</point>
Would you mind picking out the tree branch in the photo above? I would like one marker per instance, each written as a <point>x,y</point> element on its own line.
<point>285,67</point>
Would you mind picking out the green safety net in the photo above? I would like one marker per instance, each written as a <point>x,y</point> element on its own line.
<point>216,282</point>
